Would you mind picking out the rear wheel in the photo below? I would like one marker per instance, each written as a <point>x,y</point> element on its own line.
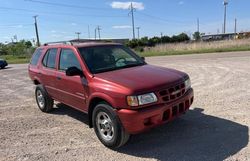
<point>43,100</point>
<point>107,126</point>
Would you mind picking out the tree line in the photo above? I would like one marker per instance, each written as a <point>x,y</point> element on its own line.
<point>22,47</point>
<point>150,42</point>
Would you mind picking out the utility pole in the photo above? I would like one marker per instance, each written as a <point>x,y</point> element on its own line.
<point>78,35</point>
<point>37,35</point>
<point>138,32</point>
<point>95,33</point>
<point>15,37</point>
<point>161,37</point>
<point>88,32</point>
<point>99,33</point>
<point>132,9</point>
<point>225,3</point>
<point>198,25</point>
<point>235,26</point>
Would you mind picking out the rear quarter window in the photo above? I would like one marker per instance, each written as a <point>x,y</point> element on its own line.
<point>35,57</point>
<point>49,59</point>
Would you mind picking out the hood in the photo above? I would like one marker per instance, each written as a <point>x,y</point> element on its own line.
<point>146,78</point>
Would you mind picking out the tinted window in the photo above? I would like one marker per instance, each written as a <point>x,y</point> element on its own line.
<point>36,57</point>
<point>68,59</point>
<point>50,58</point>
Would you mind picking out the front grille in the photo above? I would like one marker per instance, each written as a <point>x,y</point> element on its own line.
<point>172,93</point>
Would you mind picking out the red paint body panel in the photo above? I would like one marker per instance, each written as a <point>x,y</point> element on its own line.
<point>134,120</point>
<point>113,87</point>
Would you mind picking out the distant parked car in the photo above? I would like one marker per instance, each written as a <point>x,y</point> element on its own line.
<point>3,63</point>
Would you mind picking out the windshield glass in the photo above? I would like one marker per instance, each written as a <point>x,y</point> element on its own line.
<point>109,57</point>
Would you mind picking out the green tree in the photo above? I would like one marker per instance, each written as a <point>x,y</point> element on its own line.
<point>197,36</point>
<point>28,44</point>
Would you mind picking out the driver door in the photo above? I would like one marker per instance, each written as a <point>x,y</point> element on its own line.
<point>72,88</point>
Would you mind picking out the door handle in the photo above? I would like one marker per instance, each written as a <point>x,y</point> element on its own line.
<point>59,78</point>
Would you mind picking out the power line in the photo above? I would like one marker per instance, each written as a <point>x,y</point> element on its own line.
<point>60,13</point>
<point>66,5</point>
<point>162,19</point>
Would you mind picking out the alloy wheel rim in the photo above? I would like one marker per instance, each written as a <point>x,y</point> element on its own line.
<point>105,126</point>
<point>40,99</point>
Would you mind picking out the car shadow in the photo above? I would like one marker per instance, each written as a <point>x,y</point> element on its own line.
<point>194,136</point>
<point>62,109</point>
<point>5,68</point>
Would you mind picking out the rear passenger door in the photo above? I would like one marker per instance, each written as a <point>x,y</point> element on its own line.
<point>71,88</point>
<point>48,71</point>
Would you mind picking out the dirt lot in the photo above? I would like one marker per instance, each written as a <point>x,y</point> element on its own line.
<point>216,127</point>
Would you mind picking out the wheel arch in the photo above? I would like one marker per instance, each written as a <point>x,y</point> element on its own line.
<point>96,100</point>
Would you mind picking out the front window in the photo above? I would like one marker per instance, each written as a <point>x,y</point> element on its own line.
<point>109,57</point>
<point>68,59</point>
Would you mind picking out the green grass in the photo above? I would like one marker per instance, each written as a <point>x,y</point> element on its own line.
<point>16,59</point>
<point>195,51</point>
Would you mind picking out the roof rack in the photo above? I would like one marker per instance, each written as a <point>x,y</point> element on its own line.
<point>58,42</point>
<point>72,42</point>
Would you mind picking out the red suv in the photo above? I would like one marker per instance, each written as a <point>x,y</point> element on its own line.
<point>119,91</point>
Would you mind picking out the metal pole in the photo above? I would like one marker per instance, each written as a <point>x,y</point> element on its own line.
<point>138,32</point>
<point>133,22</point>
<point>78,36</point>
<point>225,15</point>
<point>95,33</point>
<point>99,34</point>
<point>198,25</point>
<point>235,26</point>
<point>88,32</point>
<point>36,28</point>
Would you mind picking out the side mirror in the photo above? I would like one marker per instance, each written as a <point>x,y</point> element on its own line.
<point>143,58</point>
<point>73,71</point>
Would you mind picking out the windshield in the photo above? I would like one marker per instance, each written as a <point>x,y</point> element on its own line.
<point>109,57</point>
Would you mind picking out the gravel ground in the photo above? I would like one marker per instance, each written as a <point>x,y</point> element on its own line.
<point>216,127</point>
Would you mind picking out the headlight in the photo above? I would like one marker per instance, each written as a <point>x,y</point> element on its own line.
<point>141,99</point>
<point>187,84</point>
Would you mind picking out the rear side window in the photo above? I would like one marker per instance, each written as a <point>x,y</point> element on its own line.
<point>68,59</point>
<point>35,57</point>
<point>49,59</point>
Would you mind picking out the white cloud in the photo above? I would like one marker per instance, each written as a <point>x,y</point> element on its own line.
<point>53,31</point>
<point>121,27</point>
<point>181,2</point>
<point>73,24</point>
<point>126,5</point>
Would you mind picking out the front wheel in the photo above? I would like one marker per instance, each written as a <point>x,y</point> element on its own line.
<point>107,126</point>
<point>43,100</point>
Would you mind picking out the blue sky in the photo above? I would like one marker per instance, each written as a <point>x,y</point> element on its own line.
<point>60,22</point>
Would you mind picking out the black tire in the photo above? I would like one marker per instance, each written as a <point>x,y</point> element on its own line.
<point>120,136</point>
<point>48,104</point>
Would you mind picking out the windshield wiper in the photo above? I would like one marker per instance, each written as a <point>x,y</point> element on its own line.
<point>117,68</point>
<point>132,65</point>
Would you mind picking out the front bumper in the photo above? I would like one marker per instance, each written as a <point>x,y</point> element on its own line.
<point>136,121</point>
